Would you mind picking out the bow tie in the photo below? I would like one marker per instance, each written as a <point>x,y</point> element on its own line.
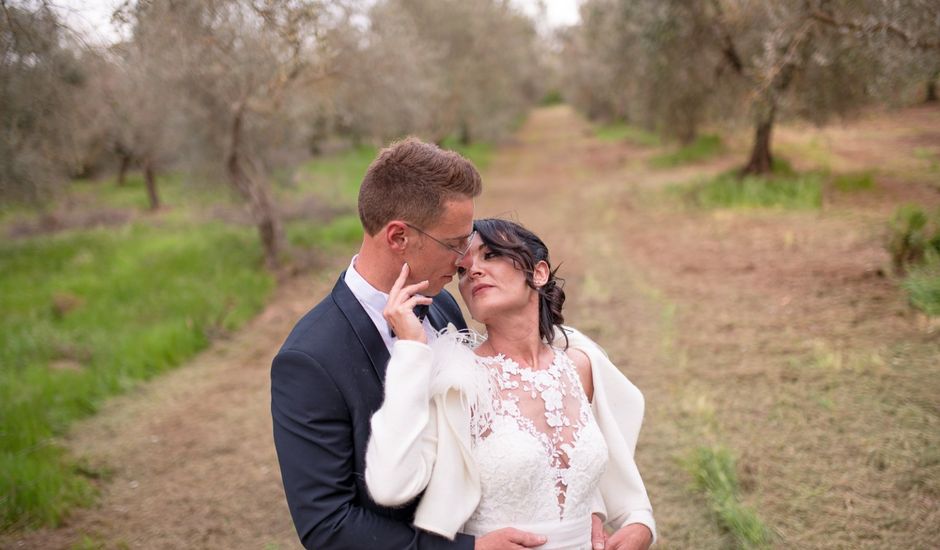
<point>420,310</point>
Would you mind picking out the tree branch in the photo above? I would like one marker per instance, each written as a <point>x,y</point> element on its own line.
<point>915,42</point>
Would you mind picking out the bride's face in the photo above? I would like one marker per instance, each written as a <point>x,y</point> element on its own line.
<point>491,284</point>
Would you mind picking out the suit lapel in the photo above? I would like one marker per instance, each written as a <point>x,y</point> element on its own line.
<point>363,326</point>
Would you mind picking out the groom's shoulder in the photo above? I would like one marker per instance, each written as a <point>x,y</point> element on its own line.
<point>321,324</point>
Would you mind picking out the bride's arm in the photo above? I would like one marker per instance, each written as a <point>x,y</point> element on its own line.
<point>618,408</point>
<point>402,445</point>
<point>401,451</point>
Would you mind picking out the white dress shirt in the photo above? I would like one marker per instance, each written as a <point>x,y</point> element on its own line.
<point>373,301</point>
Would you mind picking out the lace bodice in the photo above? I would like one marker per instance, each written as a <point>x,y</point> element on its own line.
<point>539,450</point>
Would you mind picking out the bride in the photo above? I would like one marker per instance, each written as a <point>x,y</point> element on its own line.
<point>528,429</point>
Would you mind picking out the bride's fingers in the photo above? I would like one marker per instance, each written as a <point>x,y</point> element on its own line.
<point>400,281</point>
<point>413,290</point>
<point>410,303</point>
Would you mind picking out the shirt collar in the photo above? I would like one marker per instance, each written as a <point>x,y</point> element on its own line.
<point>361,289</point>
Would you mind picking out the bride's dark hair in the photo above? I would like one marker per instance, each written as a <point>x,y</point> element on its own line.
<point>526,249</point>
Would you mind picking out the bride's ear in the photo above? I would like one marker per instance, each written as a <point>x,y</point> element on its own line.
<point>541,273</point>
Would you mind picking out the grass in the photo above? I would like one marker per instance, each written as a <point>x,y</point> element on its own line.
<point>86,315</point>
<point>620,131</point>
<point>335,177</point>
<point>479,153</point>
<point>923,284</point>
<point>857,181</point>
<point>704,147</point>
<point>344,230</point>
<point>714,473</point>
<point>784,188</point>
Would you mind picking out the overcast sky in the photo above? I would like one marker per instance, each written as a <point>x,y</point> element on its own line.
<point>93,17</point>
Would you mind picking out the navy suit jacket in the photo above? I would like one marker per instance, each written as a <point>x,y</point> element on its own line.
<point>326,382</point>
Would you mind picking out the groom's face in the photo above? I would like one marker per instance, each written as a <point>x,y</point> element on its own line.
<point>435,260</point>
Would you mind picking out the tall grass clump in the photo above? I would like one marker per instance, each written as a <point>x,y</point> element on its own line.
<point>784,188</point>
<point>923,284</point>
<point>621,131</point>
<point>912,232</point>
<point>86,315</point>
<point>714,474</point>
<point>704,147</point>
<point>914,244</point>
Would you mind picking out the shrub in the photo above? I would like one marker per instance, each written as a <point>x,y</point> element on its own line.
<point>911,233</point>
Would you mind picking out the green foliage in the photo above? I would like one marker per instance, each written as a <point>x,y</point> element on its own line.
<point>858,181</point>
<point>783,189</point>
<point>714,473</point>
<point>552,97</point>
<point>704,147</point>
<point>87,314</point>
<point>911,233</point>
<point>923,284</point>
<point>620,131</point>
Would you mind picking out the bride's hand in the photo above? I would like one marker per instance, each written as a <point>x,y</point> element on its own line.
<point>399,311</point>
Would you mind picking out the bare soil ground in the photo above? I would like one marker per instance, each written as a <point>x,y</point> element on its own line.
<point>780,335</point>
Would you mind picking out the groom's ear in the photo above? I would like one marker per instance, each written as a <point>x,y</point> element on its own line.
<point>541,273</point>
<point>395,235</point>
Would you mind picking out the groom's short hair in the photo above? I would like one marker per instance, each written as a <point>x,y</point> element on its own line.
<point>410,180</point>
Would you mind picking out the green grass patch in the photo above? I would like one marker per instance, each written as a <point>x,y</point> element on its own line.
<point>86,315</point>
<point>620,131</point>
<point>173,190</point>
<point>784,188</point>
<point>337,176</point>
<point>342,231</point>
<point>923,284</point>
<point>703,148</point>
<point>858,181</point>
<point>479,153</point>
<point>714,474</point>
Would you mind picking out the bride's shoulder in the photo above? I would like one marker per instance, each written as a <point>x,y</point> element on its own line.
<point>582,364</point>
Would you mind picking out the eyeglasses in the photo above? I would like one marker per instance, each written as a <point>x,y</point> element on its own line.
<point>461,252</point>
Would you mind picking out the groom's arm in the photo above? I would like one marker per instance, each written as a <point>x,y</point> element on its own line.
<point>314,441</point>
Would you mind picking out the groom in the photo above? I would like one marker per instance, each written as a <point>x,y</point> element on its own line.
<point>416,206</point>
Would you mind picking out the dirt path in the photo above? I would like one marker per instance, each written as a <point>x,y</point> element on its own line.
<point>773,334</point>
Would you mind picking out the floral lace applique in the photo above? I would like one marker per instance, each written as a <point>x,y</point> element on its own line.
<point>539,448</point>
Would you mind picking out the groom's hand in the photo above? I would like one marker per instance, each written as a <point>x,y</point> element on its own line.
<point>634,536</point>
<point>508,539</point>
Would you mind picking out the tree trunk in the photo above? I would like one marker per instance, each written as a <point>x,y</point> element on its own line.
<point>252,188</point>
<point>150,180</point>
<point>932,91</point>
<point>761,161</point>
<point>122,169</point>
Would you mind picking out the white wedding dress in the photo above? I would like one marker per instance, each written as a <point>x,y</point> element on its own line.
<point>539,452</point>
<point>491,444</point>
